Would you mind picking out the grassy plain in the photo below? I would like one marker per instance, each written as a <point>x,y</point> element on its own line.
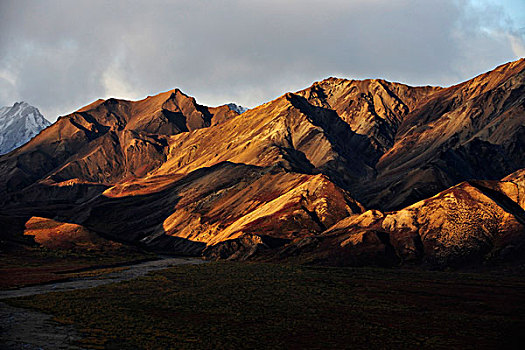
<point>269,306</point>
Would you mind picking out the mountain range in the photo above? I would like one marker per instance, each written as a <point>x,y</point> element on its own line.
<point>344,172</point>
<point>19,124</point>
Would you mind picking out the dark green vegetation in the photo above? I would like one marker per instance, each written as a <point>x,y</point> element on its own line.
<point>239,305</point>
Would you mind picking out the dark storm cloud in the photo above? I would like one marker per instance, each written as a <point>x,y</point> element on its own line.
<point>60,55</point>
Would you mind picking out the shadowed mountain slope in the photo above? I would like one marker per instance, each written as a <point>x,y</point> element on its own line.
<point>218,203</point>
<point>472,130</point>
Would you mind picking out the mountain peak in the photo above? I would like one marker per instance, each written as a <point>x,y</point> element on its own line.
<point>237,108</point>
<point>19,124</point>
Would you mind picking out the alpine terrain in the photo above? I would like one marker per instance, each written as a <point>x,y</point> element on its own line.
<point>344,172</point>
<point>19,124</point>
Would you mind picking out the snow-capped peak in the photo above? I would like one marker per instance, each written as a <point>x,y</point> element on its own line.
<point>236,108</point>
<point>19,124</point>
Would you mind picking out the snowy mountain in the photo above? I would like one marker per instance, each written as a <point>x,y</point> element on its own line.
<point>237,108</point>
<point>19,124</point>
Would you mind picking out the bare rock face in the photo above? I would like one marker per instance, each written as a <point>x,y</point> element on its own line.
<point>294,177</point>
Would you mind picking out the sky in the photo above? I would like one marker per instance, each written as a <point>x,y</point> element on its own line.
<point>62,55</point>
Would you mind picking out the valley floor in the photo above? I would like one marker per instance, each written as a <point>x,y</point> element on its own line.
<point>22,328</point>
<point>25,266</point>
<point>254,305</point>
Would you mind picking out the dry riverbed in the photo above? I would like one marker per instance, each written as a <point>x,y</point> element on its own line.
<point>28,329</point>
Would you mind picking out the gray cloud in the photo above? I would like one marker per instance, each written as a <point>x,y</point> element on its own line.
<point>61,55</point>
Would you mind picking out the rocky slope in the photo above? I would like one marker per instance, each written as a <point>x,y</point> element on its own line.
<point>472,222</point>
<point>106,141</point>
<point>292,176</point>
<point>19,124</point>
<point>472,130</point>
<point>218,203</point>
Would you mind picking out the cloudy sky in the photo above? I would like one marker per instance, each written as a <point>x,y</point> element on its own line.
<point>61,55</point>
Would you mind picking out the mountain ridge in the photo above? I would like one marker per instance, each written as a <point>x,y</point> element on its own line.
<point>209,180</point>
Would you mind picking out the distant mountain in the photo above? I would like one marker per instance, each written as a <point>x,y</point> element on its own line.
<point>344,172</point>
<point>236,108</point>
<point>19,124</point>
